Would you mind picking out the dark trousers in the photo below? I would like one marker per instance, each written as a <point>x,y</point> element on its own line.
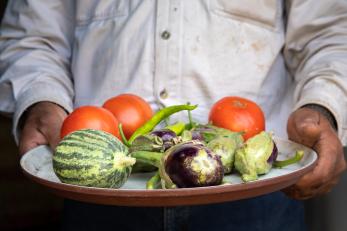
<point>272,212</point>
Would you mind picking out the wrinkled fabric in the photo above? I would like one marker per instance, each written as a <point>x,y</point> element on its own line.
<point>271,212</point>
<point>82,52</point>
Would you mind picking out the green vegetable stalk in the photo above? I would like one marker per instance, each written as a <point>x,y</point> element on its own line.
<point>154,182</point>
<point>283,163</point>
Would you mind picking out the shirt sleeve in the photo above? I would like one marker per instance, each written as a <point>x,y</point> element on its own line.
<point>35,52</point>
<point>316,54</point>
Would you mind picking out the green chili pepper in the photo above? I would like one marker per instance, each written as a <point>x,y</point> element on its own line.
<point>177,127</point>
<point>283,163</point>
<point>154,182</point>
<point>158,117</point>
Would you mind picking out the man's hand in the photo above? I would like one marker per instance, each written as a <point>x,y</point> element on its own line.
<point>311,128</point>
<point>41,126</point>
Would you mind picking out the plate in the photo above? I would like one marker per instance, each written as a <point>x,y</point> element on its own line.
<point>37,165</point>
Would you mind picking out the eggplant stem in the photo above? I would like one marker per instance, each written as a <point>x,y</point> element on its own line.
<point>152,158</point>
<point>154,182</point>
<point>190,117</point>
<point>283,163</point>
<point>124,139</point>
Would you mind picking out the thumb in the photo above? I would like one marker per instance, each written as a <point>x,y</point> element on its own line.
<point>42,126</point>
<point>304,126</point>
<point>52,134</point>
<point>31,137</point>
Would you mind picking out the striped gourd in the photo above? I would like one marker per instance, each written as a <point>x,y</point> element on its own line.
<point>92,158</point>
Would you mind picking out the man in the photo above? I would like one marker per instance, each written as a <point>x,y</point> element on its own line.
<point>288,56</point>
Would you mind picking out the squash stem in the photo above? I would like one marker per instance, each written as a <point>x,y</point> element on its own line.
<point>123,161</point>
<point>282,163</point>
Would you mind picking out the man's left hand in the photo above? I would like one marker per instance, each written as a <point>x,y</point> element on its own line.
<point>311,128</point>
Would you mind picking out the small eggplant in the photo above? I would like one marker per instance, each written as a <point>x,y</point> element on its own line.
<point>209,132</point>
<point>147,142</point>
<point>258,156</point>
<point>155,141</point>
<point>164,134</point>
<point>221,141</point>
<point>225,148</point>
<point>274,154</point>
<point>203,133</point>
<point>192,165</point>
<point>251,160</point>
<point>187,164</point>
<point>168,137</point>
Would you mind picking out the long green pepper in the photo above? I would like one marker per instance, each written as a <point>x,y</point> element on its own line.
<point>158,117</point>
<point>177,127</point>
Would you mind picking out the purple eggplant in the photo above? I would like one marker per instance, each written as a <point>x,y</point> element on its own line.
<point>208,132</point>
<point>193,165</point>
<point>168,137</point>
<point>184,165</point>
<point>155,141</point>
<point>164,134</point>
<point>221,141</point>
<point>203,133</point>
<point>273,157</point>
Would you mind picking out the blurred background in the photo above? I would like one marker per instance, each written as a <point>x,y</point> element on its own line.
<point>27,206</point>
<point>24,205</point>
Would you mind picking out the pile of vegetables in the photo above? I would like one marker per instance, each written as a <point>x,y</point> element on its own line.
<point>98,151</point>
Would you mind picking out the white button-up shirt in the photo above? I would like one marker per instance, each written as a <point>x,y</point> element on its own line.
<point>280,54</point>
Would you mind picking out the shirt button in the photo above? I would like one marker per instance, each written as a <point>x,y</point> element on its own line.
<point>164,94</point>
<point>165,35</point>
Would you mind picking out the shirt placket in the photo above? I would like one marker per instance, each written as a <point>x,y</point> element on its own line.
<point>167,51</point>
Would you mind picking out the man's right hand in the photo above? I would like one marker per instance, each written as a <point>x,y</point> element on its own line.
<point>41,126</point>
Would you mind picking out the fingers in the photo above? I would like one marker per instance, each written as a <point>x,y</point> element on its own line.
<point>51,133</point>
<point>313,129</point>
<point>328,187</point>
<point>323,171</point>
<point>325,175</point>
<point>295,192</point>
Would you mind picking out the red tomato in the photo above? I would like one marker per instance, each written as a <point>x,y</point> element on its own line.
<point>238,114</point>
<point>130,110</point>
<point>90,117</point>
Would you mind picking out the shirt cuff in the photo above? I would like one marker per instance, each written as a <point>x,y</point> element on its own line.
<point>37,93</point>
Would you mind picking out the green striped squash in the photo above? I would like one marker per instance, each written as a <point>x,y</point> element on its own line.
<point>92,158</point>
